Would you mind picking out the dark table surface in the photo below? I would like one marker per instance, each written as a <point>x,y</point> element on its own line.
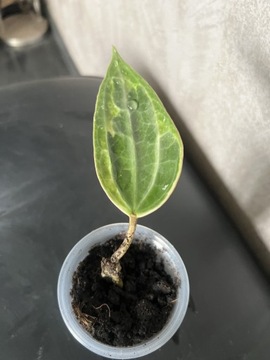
<point>50,198</point>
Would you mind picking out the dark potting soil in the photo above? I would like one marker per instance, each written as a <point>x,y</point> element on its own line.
<point>129,315</point>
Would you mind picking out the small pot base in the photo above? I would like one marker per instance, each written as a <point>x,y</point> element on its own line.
<point>129,315</point>
<point>174,267</point>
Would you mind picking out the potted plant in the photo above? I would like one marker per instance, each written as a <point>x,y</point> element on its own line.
<point>123,289</point>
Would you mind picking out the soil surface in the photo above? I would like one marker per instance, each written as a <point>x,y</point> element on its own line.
<point>129,315</point>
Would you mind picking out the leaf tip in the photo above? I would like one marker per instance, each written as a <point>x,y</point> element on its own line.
<point>114,50</point>
<point>115,53</point>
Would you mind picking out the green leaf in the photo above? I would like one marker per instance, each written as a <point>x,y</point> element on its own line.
<point>138,151</point>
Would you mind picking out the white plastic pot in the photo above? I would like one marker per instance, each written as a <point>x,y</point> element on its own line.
<point>173,265</point>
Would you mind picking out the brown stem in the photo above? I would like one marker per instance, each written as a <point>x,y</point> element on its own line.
<point>111,267</point>
<point>123,248</point>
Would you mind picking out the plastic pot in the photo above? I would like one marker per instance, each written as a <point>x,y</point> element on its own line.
<point>173,265</point>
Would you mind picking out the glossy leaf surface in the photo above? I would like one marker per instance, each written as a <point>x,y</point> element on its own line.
<point>138,151</point>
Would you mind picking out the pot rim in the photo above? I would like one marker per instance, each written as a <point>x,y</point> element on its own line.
<point>173,264</point>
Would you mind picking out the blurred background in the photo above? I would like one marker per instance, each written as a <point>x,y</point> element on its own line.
<point>208,61</point>
<point>30,49</point>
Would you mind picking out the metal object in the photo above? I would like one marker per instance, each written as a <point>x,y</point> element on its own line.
<point>21,22</point>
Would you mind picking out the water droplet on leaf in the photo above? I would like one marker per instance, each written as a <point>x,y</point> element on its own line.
<point>132,105</point>
<point>116,82</point>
